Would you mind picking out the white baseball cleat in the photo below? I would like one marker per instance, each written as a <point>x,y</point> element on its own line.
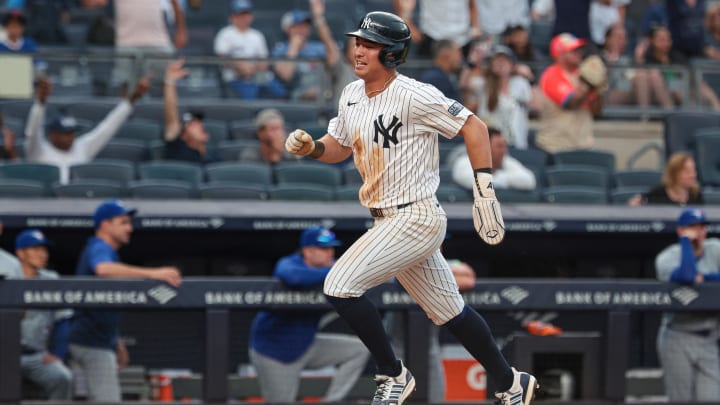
<point>393,390</point>
<point>522,391</point>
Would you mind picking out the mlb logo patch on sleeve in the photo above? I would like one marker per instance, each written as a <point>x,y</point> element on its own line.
<point>455,108</point>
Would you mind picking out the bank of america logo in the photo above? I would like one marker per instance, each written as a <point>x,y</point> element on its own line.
<point>684,295</point>
<point>162,294</point>
<point>514,294</point>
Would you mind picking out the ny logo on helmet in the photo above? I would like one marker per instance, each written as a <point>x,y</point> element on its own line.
<point>366,23</point>
<point>388,133</point>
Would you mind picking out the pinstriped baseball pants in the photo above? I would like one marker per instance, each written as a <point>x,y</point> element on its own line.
<point>691,365</point>
<point>404,244</point>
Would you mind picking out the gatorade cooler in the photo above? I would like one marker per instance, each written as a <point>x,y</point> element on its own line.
<point>465,378</point>
<point>161,383</point>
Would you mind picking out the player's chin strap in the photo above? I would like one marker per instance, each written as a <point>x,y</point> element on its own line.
<point>486,213</point>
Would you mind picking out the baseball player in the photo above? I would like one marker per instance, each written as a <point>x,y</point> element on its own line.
<point>687,342</point>
<point>389,124</point>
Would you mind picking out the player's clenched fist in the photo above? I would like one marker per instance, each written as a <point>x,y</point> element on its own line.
<point>299,143</point>
<point>487,216</point>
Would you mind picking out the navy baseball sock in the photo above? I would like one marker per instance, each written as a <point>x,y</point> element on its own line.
<point>473,332</point>
<point>364,319</point>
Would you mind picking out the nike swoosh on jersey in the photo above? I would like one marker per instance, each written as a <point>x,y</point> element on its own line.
<point>351,103</point>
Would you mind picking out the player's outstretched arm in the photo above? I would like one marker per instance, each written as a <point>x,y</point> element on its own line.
<point>487,216</point>
<point>326,149</point>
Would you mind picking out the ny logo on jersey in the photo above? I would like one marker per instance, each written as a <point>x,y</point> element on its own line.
<point>389,133</point>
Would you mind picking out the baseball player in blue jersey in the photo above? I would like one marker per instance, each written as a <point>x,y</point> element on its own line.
<point>283,344</point>
<point>389,123</point>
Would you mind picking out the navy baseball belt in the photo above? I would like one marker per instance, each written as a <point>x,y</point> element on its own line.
<point>385,212</point>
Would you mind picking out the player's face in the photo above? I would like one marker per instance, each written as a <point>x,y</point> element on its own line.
<point>319,256</point>
<point>119,228</point>
<point>34,256</point>
<point>367,59</point>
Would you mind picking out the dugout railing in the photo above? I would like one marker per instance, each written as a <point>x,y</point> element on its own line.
<point>216,297</point>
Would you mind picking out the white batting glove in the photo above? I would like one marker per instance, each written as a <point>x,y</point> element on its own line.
<point>299,143</point>
<point>487,216</point>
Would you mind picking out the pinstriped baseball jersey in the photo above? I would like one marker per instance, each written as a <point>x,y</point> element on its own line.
<point>394,138</point>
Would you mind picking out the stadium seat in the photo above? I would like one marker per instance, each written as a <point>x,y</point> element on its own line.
<point>588,157</point>
<point>154,111</point>
<point>575,195</point>
<point>351,175</point>
<point>17,188</point>
<point>40,172</point>
<point>239,150</point>
<point>186,172</point>
<point>227,112</point>
<point>577,175</point>
<point>507,195</point>
<point>217,130</point>
<point>711,196</point>
<point>679,129</point>
<point>145,131</point>
<point>94,111</point>
<point>622,195</point>
<point>302,192</point>
<point>243,129</point>
<point>89,188</point>
<point>309,173</point>
<point>637,178</point>
<point>453,193</point>
<point>445,150</point>
<point>229,190</point>
<point>130,150</point>
<point>245,172</point>
<point>119,171</point>
<point>708,156</point>
<point>160,189</point>
<point>294,113</point>
<point>348,192</point>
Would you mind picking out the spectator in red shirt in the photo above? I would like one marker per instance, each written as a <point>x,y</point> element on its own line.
<point>569,104</point>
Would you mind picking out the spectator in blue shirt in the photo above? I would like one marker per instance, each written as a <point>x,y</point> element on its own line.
<point>447,60</point>
<point>95,345</point>
<point>14,24</point>
<point>283,344</point>
<point>304,79</point>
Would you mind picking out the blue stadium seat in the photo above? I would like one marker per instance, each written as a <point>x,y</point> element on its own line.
<point>348,192</point>
<point>575,195</point>
<point>239,150</point>
<point>119,171</point>
<point>40,172</point>
<point>245,172</point>
<point>588,157</point>
<point>302,192</point>
<point>708,156</point>
<point>351,175</point>
<point>141,130</point>
<point>637,178</point>
<point>453,193</point>
<point>309,173</point>
<point>679,129</point>
<point>229,190</point>
<point>130,150</point>
<point>507,195</point>
<point>92,188</point>
<point>577,175</point>
<point>177,171</point>
<point>622,195</point>
<point>18,188</point>
<point>160,189</point>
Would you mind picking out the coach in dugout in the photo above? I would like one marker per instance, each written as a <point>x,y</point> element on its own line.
<point>62,147</point>
<point>95,345</point>
<point>687,342</point>
<point>283,344</point>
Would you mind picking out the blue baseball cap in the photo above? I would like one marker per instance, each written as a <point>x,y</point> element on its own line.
<point>31,237</point>
<point>241,6</point>
<point>293,17</point>
<point>318,236</point>
<point>111,209</point>
<point>65,124</point>
<point>692,216</point>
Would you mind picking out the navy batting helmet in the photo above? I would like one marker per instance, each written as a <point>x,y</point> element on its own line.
<point>389,30</point>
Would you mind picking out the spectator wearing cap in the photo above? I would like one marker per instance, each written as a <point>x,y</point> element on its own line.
<point>63,148</point>
<point>43,333</point>
<point>687,342</point>
<point>95,345</point>
<point>569,104</point>
<point>283,344</point>
<point>15,40</point>
<point>503,96</point>
<point>447,61</point>
<point>185,136</point>
<point>304,80</point>
<point>249,79</point>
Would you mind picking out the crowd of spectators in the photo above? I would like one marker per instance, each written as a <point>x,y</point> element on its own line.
<point>498,62</point>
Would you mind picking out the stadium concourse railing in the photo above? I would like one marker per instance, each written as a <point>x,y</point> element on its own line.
<point>218,296</point>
